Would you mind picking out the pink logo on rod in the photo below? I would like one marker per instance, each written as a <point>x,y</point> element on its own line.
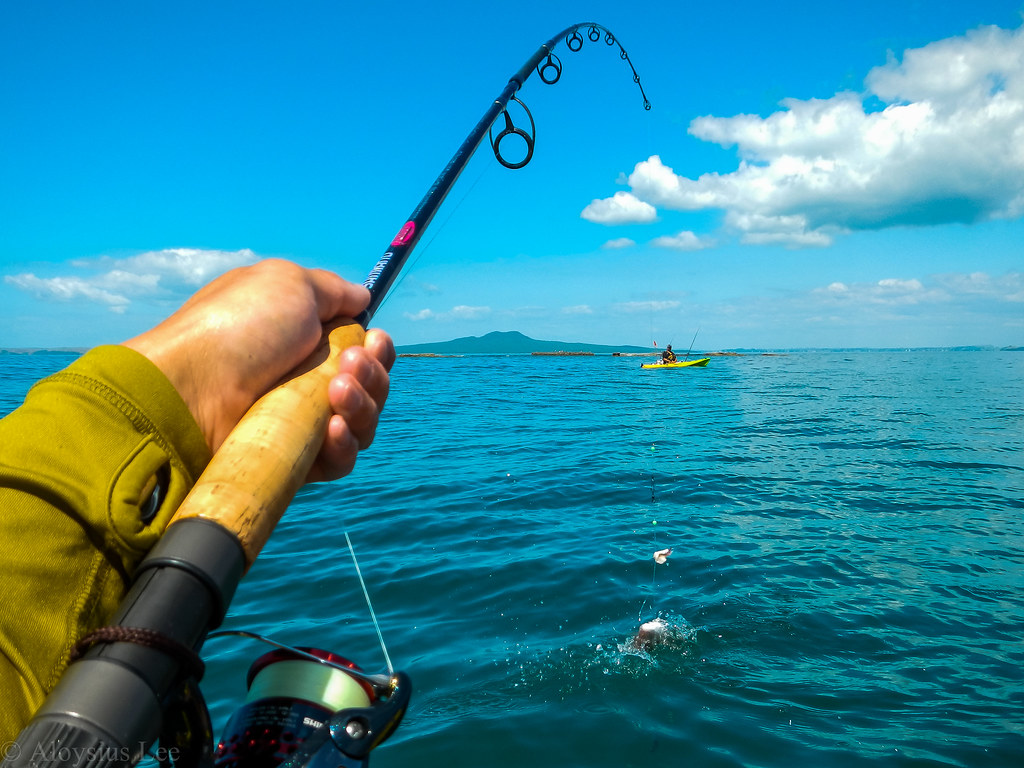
<point>404,234</point>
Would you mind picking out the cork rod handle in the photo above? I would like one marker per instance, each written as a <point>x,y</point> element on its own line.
<point>254,475</point>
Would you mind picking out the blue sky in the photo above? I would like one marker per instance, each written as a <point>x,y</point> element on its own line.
<point>810,174</point>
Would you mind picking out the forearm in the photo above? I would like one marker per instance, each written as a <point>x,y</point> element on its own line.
<point>78,465</point>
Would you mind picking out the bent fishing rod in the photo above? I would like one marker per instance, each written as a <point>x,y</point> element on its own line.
<point>136,683</point>
<point>549,68</point>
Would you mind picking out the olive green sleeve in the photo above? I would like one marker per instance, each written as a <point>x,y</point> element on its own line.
<point>79,461</point>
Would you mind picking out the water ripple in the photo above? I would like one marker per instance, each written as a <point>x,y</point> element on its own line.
<point>848,559</point>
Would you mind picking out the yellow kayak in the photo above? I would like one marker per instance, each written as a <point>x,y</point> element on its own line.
<point>679,364</point>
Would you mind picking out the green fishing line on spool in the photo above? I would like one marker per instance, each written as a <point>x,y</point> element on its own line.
<point>308,681</point>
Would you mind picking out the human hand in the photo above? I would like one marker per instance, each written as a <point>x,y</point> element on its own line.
<point>251,329</point>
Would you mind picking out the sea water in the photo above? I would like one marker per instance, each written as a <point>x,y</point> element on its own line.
<point>846,585</point>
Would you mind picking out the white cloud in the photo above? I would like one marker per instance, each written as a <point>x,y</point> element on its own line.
<point>632,307</point>
<point>461,312</point>
<point>888,291</point>
<point>937,289</point>
<point>413,282</point>
<point>683,241</point>
<point>67,289</point>
<point>579,309</point>
<point>1008,287</point>
<point>527,311</point>
<point>790,231</point>
<point>620,208</point>
<point>116,282</point>
<point>974,68</point>
<point>619,242</point>
<point>190,267</point>
<point>464,312</point>
<point>948,147</point>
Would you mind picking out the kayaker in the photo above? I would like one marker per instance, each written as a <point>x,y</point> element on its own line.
<point>668,356</point>
<point>99,456</point>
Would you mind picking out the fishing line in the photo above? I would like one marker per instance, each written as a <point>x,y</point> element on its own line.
<point>366,594</point>
<point>654,523</point>
<point>276,644</point>
<point>440,228</point>
<point>354,672</point>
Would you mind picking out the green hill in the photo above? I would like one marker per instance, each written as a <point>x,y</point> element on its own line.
<point>509,343</point>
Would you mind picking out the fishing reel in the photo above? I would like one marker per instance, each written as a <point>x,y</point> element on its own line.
<point>305,707</point>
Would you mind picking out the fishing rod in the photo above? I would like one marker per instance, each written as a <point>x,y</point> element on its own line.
<point>549,68</point>
<point>136,683</point>
<point>691,344</point>
<point>387,268</point>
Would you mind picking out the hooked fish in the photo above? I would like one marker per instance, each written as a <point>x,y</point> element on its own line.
<point>651,634</point>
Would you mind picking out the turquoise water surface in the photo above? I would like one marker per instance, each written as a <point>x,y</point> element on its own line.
<point>846,586</point>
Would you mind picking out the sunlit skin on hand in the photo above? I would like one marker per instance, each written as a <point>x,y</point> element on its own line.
<point>253,328</point>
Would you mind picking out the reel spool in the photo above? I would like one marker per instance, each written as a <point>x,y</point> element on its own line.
<point>298,709</point>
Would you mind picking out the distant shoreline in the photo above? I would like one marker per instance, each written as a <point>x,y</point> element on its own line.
<point>586,353</point>
<point>516,343</point>
<point>695,355</point>
<point>580,354</point>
